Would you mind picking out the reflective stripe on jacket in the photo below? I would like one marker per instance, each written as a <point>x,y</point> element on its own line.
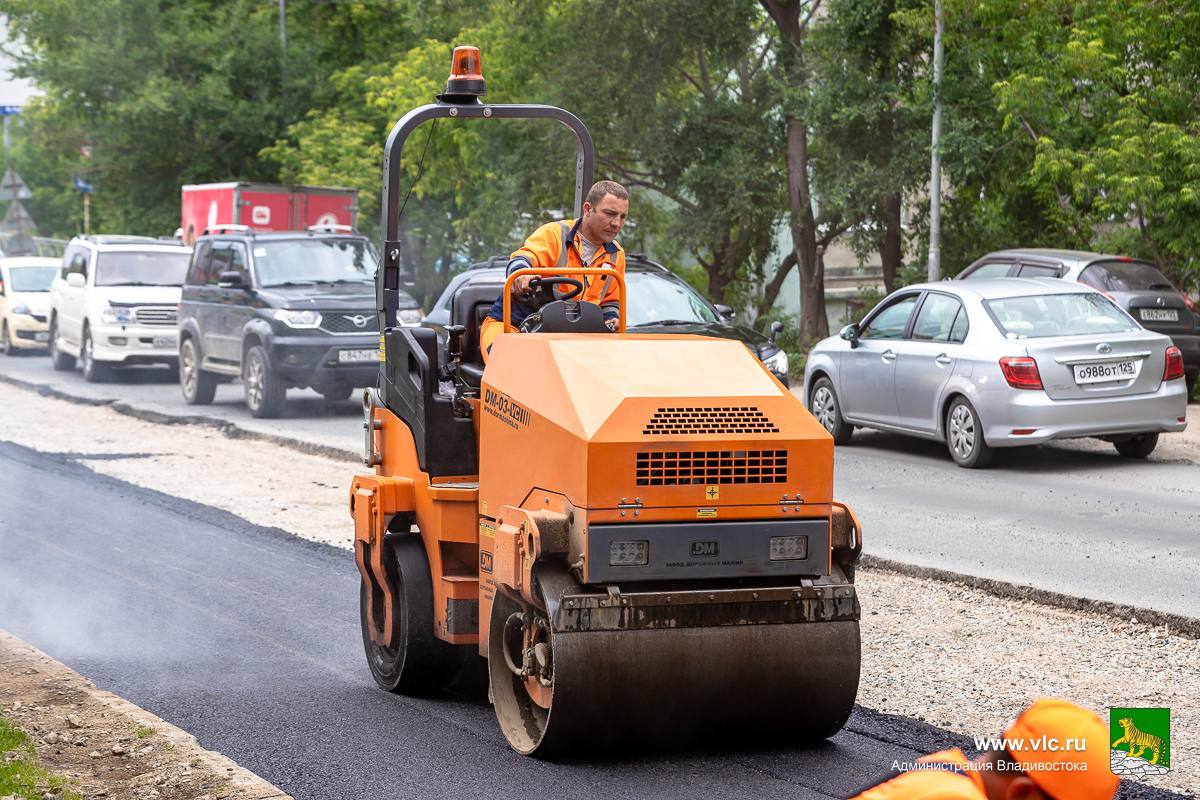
<point>555,245</point>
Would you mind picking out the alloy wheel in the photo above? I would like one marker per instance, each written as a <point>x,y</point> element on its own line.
<point>962,431</point>
<point>188,362</point>
<point>824,408</point>
<point>254,382</point>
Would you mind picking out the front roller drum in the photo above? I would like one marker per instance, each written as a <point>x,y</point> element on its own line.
<point>572,691</point>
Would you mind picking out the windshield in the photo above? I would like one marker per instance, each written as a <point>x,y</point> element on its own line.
<point>1058,315</point>
<point>32,279</point>
<point>329,260</point>
<point>1125,276</point>
<point>658,298</point>
<point>142,268</point>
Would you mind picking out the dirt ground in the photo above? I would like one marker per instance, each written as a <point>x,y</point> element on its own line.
<point>951,655</point>
<point>109,748</point>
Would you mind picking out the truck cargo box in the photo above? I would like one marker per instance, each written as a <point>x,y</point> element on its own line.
<point>264,207</point>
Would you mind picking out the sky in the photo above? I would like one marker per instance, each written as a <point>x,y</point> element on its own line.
<point>13,92</point>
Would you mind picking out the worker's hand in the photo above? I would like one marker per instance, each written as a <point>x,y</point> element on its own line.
<point>520,286</point>
<point>612,324</point>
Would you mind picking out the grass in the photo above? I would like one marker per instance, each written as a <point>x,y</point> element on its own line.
<point>21,776</point>
<point>144,732</point>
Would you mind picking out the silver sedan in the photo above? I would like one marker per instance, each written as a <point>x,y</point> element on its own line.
<point>983,364</point>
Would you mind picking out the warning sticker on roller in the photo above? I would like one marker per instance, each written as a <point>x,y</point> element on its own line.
<point>705,513</point>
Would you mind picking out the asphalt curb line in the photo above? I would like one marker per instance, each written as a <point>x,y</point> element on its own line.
<point>1178,624</point>
<point>240,783</point>
<point>229,429</point>
<point>1186,626</point>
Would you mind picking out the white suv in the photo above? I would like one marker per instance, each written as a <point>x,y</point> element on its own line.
<point>116,303</point>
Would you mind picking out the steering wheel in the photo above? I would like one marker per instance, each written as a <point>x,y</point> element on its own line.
<point>541,290</point>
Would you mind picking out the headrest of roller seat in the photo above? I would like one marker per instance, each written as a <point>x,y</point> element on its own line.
<point>572,316</point>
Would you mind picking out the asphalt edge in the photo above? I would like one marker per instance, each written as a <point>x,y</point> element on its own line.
<point>230,429</point>
<point>244,784</point>
<point>1177,623</point>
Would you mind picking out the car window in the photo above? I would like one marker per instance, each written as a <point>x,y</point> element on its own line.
<point>992,269</point>
<point>1038,271</point>
<point>142,268</point>
<point>936,318</point>
<point>324,260</point>
<point>958,331</point>
<point>218,262</point>
<point>655,297</point>
<point>1057,315</point>
<point>1125,276</point>
<point>31,279</point>
<point>197,274</point>
<point>78,262</point>
<point>891,322</point>
<point>237,257</point>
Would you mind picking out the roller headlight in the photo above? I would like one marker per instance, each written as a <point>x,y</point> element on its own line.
<point>116,316</point>
<point>628,554</point>
<point>789,548</point>
<point>778,362</point>
<point>298,319</point>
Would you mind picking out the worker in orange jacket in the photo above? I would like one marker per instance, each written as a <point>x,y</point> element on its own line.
<point>588,242</point>
<point>1054,751</point>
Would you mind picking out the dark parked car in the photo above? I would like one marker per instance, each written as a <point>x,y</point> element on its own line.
<point>280,310</point>
<point>659,302</point>
<point>1136,286</point>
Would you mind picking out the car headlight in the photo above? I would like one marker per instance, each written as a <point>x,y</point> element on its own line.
<point>777,362</point>
<point>116,316</point>
<point>298,319</point>
<point>410,316</point>
<point>21,308</point>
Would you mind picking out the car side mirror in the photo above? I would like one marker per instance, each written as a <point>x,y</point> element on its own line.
<point>776,327</point>
<point>232,280</point>
<point>850,334</point>
<point>726,312</point>
<point>76,280</point>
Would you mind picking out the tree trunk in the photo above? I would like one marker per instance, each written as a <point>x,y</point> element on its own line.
<point>891,251</point>
<point>813,322</point>
<point>771,290</point>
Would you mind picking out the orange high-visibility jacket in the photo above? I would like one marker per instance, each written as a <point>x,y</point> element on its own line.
<point>956,781</point>
<point>555,244</point>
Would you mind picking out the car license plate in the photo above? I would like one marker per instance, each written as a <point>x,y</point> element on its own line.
<point>164,341</point>
<point>41,336</point>
<point>1160,314</point>
<point>1109,371</point>
<point>357,356</point>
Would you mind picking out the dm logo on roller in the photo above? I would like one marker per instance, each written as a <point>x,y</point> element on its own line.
<point>705,548</point>
<point>1140,741</point>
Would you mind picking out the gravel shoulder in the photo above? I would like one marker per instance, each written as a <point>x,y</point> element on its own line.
<point>955,656</point>
<point>107,747</point>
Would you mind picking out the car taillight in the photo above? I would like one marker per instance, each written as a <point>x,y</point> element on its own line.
<point>1021,373</point>
<point>1174,366</point>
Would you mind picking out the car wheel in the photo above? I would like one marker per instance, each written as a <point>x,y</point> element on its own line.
<point>824,404</point>
<point>964,436</point>
<point>1138,446</point>
<point>265,391</point>
<point>93,371</point>
<point>199,387</point>
<point>6,345</point>
<point>61,361</point>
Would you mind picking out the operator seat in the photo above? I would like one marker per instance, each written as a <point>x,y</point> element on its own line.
<point>468,308</point>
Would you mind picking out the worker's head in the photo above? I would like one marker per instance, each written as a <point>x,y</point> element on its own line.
<point>1056,751</point>
<point>604,212</point>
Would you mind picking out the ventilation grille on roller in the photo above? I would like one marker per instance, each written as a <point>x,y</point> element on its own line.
<point>719,419</point>
<point>708,467</point>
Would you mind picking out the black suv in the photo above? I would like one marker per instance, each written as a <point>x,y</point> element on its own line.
<point>280,310</point>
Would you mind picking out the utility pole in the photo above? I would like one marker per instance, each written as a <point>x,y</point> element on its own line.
<point>283,38</point>
<point>935,176</point>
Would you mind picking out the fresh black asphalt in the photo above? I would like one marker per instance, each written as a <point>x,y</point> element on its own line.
<point>248,638</point>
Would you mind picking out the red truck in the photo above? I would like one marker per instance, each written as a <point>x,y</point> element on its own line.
<point>264,207</point>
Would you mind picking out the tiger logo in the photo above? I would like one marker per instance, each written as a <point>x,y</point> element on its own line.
<point>1138,741</point>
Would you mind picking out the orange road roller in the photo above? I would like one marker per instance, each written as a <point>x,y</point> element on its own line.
<point>633,537</point>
